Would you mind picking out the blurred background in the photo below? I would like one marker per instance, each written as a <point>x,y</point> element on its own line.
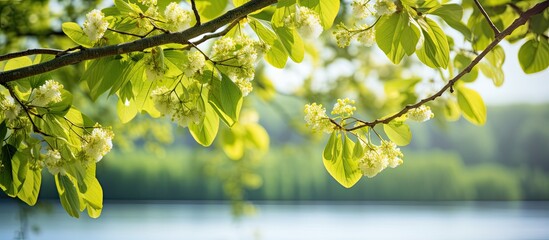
<point>458,180</point>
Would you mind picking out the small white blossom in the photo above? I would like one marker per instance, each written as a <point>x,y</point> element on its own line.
<point>178,18</point>
<point>392,152</point>
<point>373,162</point>
<point>163,100</point>
<point>239,56</point>
<point>342,36</point>
<point>367,37</point>
<point>362,8</point>
<point>420,114</point>
<point>344,107</point>
<point>10,108</point>
<point>307,23</point>
<point>316,118</point>
<point>195,65</point>
<point>54,163</point>
<point>49,92</point>
<point>97,144</point>
<point>95,25</point>
<point>385,7</point>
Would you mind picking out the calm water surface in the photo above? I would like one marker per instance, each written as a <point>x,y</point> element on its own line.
<point>371,220</point>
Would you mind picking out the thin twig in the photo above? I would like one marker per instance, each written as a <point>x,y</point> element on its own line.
<point>481,9</point>
<point>524,17</point>
<point>195,11</point>
<point>29,52</point>
<point>126,33</point>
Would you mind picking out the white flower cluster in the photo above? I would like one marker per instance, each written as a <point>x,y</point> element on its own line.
<point>9,107</point>
<point>365,35</point>
<point>54,163</point>
<point>306,21</point>
<point>97,144</point>
<point>95,25</point>
<point>195,65</point>
<point>181,111</point>
<point>377,158</point>
<point>364,9</point>
<point>239,56</point>
<point>49,92</point>
<point>420,114</point>
<point>344,107</point>
<point>148,2</point>
<point>178,18</point>
<point>316,118</point>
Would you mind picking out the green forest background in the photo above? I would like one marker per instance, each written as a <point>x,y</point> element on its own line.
<point>507,159</point>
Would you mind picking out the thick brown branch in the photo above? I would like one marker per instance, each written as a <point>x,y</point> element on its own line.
<point>29,52</point>
<point>524,17</point>
<point>137,45</point>
<point>481,9</point>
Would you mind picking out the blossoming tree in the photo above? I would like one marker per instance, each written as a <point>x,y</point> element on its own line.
<point>195,62</point>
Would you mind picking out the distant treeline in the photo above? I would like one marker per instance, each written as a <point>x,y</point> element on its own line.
<point>508,159</point>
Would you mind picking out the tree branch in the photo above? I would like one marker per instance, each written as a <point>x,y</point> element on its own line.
<point>29,52</point>
<point>524,17</point>
<point>137,45</point>
<point>195,11</point>
<point>481,9</point>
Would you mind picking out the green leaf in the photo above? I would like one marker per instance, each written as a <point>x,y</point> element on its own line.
<point>397,36</point>
<point>435,51</point>
<point>461,61</point>
<point>327,10</point>
<point>93,197</point>
<point>61,108</point>
<point>226,99</point>
<point>102,74</point>
<point>398,132</point>
<point>452,14</point>
<point>210,9</point>
<point>491,66</point>
<point>126,110</point>
<point>6,173</point>
<point>472,105</point>
<point>232,142</point>
<point>68,195</point>
<point>204,133</point>
<point>75,33</point>
<point>342,166</point>
<point>31,187</point>
<point>534,56</point>
<point>292,42</point>
<point>276,56</point>
<point>257,136</point>
<point>16,63</point>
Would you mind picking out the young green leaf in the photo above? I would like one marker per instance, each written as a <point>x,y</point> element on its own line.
<point>397,36</point>
<point>343,167</point>
<point>398,132</point>
<point>68,195</point>
<point>276,55</point>
<point>472,105</point>
<point>226,99</point>
<point>327,10</point>
<point>452,14</point>
<point>205,132</point>
<point>534,56</point>
<point>292,42</point>
<point>232,142</point>
<point>75,33</point>
<point>435,51</point>
<point>6,173</point>
<point>257,136</point>
<point>31,187</point>
<point>210,9</point>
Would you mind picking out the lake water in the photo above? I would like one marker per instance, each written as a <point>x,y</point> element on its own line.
<point>370,220</point>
